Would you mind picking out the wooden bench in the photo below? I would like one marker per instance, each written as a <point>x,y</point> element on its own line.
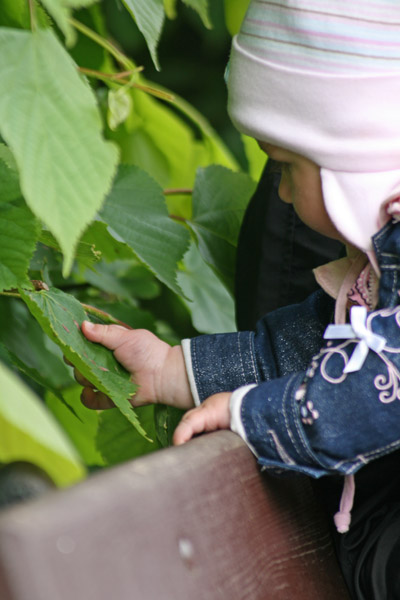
<point>197,522</point>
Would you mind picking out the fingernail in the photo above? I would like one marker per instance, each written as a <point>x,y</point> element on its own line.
<point>89,326</point>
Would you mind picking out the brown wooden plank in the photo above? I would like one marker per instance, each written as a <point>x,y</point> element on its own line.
<point>196,522</point>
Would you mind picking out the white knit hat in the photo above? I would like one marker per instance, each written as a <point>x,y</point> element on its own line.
<point>322,78</point>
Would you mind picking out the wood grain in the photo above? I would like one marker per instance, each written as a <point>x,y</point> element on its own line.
<point>197,522</point>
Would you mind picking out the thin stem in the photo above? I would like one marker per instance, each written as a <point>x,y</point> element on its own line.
<point>10,294</point>
<point>118,78</point>
<point>178,218</point>
<point>113,50</point>
<point>178,191</point>
<point>32,14</point>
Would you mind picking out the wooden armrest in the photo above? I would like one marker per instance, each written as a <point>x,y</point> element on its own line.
<point>194,522</point>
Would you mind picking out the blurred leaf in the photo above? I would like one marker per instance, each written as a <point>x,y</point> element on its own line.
<point>61,11</point>
<point>117,442</point>
<point>65,168</point>
<point>15,13</point>
<point>135,209</point>
<point>201,6</point>
<point>166,421</point>
<point>149,17</point>
<point>60,316</point>
<point>9,178</point>
<point>123,280</point>
<point>212,307</point>
<point>119,107</point>
<point>28,432</point>
<point>219,200</point>
<point>234,14</point>
<point>19,231</point>
<point>256,157</point>
<point>170,8</point>
<point>79,423</point>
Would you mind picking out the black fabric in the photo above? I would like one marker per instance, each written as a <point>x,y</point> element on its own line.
<point>276,255</point>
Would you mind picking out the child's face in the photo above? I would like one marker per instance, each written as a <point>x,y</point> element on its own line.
<point>301,186</point>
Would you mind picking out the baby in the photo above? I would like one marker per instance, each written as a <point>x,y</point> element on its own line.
<point>318,85</point>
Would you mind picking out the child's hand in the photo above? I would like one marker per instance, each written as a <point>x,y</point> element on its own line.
<point>157,368</point>
<point>212,414</point>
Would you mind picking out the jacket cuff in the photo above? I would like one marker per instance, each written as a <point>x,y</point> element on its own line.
<point>219,363</point>
<point>235,405</point>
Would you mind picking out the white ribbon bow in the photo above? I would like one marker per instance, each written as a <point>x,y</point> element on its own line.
<point>357,329</point>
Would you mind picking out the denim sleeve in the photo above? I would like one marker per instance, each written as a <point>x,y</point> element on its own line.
<point>324,420</point>
<point>284,342</point>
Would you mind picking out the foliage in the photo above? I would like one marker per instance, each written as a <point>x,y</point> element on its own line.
<point>118,203</point>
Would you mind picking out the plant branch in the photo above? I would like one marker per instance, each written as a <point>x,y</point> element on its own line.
<point>118,78</point>
<point>178,191</point>
<point>113,50</point>
<point>32,14</point>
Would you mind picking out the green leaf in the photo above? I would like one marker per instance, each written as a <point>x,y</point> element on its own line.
<point>200,6</point>
<point>53,128</point>
<point>61,315</point>
<point>256,157</point>
<point>220,198</point>
<point>15,13</point>
<point>28,432</point>
<point>119,107</point>
<point>135,209</point>
<point>9,178</point>
<point>61,11</point>
<point>117,442</point>
<point>19,231</point>
<point>85,252</point>
<point>166,421</point>
<point>32,351</point>
<point>234,14</point>
<point>149,17</point>
<point>98,236</point>
<point>79,423</point>
<point>212,307</point>
<point>170,8</point>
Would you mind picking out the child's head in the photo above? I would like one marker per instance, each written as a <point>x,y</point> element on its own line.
<point>322,79</point>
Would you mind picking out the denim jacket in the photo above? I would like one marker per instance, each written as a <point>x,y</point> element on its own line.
<point>298,409</point>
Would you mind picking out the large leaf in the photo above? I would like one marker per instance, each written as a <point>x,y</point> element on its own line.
<point>149,16</point>
<point>61,11</point>
<point>220,198</point>
<point>79,423</point>
<point>9,178</point>
<point>19,231</point>
<point>201,6</point>
<point>135,209</point>
<point>212,307</point>
<point>28,432</point>
<point>117,442</point>
<point>61,315</point>
<point>53,128</point>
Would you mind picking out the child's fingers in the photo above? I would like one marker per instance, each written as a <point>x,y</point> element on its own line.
<point>110,336</point>
<point>193,422</point>
<point>95,400</point>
